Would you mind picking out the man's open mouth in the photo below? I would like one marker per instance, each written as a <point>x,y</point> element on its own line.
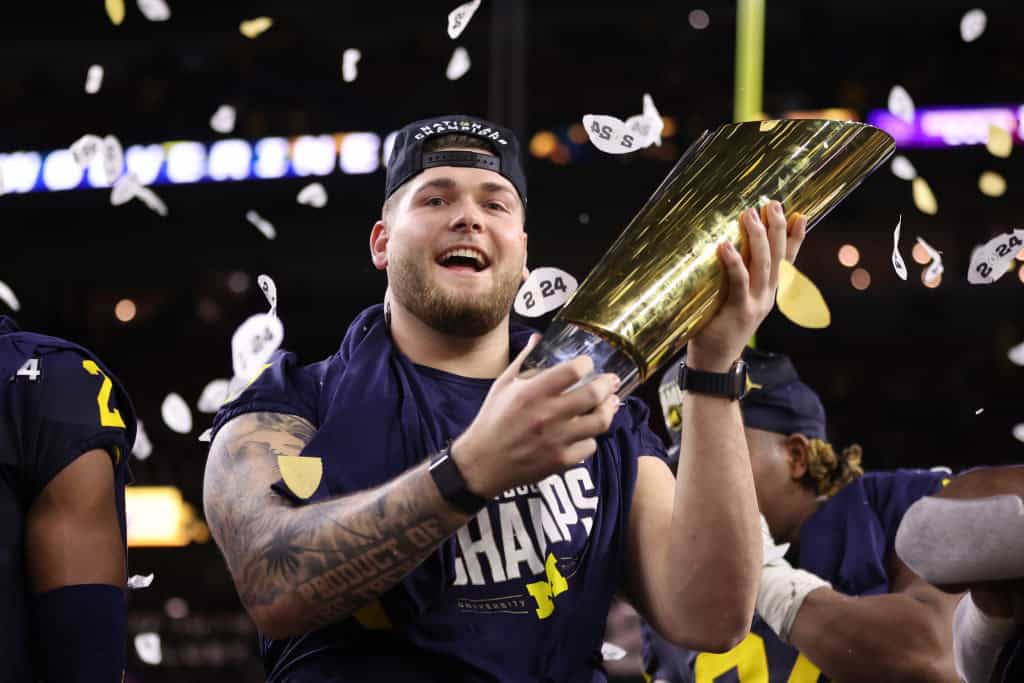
<point>463,259</point>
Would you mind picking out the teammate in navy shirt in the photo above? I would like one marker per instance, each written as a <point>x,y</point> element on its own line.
<point>410,509</point>
<point>841,526</point>
<point>66,429</point>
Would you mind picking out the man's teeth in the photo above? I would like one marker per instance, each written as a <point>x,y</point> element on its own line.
<point>466,253</point>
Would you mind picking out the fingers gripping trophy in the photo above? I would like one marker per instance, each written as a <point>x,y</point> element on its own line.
<point>661,281</point>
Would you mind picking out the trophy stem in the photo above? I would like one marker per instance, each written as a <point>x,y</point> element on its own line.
<point>564,341</point>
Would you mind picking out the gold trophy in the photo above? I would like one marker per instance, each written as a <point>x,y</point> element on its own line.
<point>661,281</point>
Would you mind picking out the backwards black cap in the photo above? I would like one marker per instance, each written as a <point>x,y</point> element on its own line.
<point>408,158</point>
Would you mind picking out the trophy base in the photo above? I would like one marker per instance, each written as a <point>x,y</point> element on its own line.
<point>564,341</point>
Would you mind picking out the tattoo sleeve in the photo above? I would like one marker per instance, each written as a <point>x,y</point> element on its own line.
<point>309,566</point>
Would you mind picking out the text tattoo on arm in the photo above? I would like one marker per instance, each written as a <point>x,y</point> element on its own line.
<point>330,558</point>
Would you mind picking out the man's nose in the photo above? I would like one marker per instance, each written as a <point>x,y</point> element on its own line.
<point>468,216</point>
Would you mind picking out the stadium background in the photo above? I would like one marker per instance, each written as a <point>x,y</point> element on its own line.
<point>904,369</point>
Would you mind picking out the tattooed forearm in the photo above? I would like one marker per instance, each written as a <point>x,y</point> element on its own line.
<point>321,562</point>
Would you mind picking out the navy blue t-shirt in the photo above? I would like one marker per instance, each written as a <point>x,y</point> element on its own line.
<point>521,593</point>
<point>57,401</point>
<point>848,542</point>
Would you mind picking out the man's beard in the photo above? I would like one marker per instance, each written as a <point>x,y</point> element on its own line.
<point>455,313</point>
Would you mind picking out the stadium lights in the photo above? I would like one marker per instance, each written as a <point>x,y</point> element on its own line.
<point>158,516</point>
<point>188,161</point>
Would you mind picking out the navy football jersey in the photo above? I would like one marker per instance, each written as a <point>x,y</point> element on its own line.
<point>57,401</point>
<point>521,593</point>
<point>849,542</point>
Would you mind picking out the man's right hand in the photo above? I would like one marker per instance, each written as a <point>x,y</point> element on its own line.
<point>528,429</point>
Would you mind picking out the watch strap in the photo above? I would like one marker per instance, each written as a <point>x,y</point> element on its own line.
<point>731,384</point>
<point>451,483</point>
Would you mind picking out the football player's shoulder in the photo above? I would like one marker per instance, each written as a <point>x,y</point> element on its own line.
<point>71,380</point>
<point>66,402</point>
<point>281,385</point>
<point>900,482</point>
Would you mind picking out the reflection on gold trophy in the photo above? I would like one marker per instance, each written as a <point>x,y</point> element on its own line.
<point>661,281</point>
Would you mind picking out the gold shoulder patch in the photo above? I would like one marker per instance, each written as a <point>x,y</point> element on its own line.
<point>302,474</point>
<point>373,617</point>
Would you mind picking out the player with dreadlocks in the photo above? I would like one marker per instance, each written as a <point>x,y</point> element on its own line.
<point>840,525</point>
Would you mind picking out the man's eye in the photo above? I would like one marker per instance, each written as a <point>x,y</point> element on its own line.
<point>496,206</point>
<point>435,201</point>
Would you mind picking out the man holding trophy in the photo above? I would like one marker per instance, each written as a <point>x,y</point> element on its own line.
<point>445,498</point>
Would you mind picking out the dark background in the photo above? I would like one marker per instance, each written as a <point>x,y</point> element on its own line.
<point>902,369</point>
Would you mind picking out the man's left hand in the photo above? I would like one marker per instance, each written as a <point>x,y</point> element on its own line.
<point>752,279</point>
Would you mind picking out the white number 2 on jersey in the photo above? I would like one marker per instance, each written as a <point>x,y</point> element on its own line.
<point>30,369</point>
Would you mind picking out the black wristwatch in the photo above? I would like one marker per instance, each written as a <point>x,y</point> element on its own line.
<point>453,487</point>
<point>731,384</point>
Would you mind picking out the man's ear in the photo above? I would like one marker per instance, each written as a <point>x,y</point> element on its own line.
<point>379,245</point>
<point>526,271</point>
<point>798,447</point>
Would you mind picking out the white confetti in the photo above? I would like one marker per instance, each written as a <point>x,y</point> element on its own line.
<point>176,414</point>
<point>349,61</point>
<point>129,187</point>
<point>897,259</point>
<point>972,25</point>
<point>94,79</point>
<point>269,289</point>
<point>262,224</point>
<point>1018,431</point>
<point>1016,354</point>
<point>459,18</point>
<point>610,134</point>
<point>253,343</point>
<point>150,199</point>
<point>979,411</point>
<point>125,189</point>
<point>147,646</point>
<point>155,10</point>
<point>85,149</point>
<point>113,159</point>
<point>143,447</point>
<point>137,581</point>
<point>545,290</point>
<point>902,168</point>
<point>7,296</point>
<point>990,261</point>
<point>610,652</point>
<point>900,105</point>
<point>206,436</point>
<point>936,269</point>
<point>213,396</point>
<point>223,120</point>
<point>458,65</point>
<point>648,125</point>
<point>313,195</point>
